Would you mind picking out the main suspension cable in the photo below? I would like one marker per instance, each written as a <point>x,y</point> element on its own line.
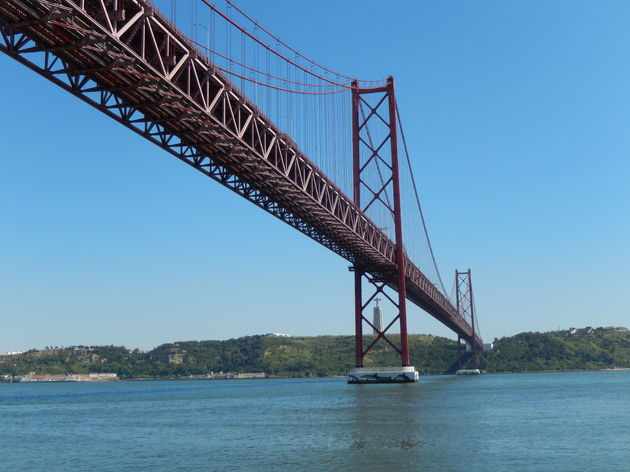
<point>269,48</point>
<point>250,79</point>
<point>262,28</point>
<point>415,191</point>
<point>257,71</point>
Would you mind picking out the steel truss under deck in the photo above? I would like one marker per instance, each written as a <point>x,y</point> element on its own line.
<point>126,59</point>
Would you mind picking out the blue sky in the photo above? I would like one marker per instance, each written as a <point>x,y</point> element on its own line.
<point>518,120</point>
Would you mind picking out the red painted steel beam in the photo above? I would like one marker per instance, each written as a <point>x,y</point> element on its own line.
<point>401,260</point>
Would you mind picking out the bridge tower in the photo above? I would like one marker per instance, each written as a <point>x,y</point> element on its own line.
<point>466,308</point>
<point>378,151</point>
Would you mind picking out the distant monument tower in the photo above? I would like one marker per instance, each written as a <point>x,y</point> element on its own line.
<point>378,317</point>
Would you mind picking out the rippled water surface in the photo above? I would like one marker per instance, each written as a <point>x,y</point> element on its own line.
<point>522,422</point>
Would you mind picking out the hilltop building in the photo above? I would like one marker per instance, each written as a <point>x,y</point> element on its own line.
<point>590,330</point>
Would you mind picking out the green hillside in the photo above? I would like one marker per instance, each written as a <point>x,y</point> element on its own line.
<point>327,355</point>
<point>560,350</point>
<point>274,355</point>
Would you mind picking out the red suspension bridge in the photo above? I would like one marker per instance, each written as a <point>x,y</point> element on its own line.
<point>226,96</point>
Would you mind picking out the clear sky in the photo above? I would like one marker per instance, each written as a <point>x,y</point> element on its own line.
<point>518,120</point>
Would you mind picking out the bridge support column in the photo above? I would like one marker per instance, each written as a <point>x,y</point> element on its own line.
<point>358,320</point>
<point>466,308</point>
<point>384,191</point>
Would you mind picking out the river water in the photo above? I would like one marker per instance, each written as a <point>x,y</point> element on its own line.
<point>520,422</point>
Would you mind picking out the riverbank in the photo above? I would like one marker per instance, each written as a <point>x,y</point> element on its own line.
<point>324,356</point>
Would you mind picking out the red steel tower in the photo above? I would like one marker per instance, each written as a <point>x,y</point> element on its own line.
<point>377,106</point>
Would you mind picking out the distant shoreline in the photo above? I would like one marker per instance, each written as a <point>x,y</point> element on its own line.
<point>587,349</point>
<point>179,379</point>
<point>553,371</point>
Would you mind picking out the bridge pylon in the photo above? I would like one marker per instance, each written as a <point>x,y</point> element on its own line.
<point>376,171</point>
<point>466,308</point>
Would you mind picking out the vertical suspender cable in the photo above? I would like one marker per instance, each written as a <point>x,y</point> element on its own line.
<point>415,190</point>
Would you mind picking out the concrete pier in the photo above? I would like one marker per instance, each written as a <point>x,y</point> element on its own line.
<point>368,375</point>
<point>468,372</point>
